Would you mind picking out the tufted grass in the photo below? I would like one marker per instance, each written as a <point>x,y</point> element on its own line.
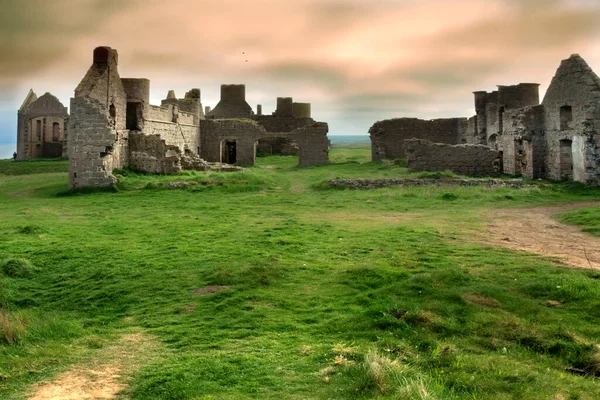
<point>315,293</point>
<point>587,218</point>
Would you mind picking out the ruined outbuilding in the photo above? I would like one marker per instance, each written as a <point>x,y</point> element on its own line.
<point>114,126</point>
<point>41,124</point>
<point>556,139</point>
<point>231,132</point>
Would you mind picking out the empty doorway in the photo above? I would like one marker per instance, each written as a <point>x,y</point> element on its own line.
<point>566,160</point>
<point>228,152</point>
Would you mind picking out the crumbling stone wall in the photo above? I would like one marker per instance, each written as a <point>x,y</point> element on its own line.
<point>464,159</point>
<point>98,139</point>
<point>571,123</point>
<point>276,123</point>
<point>41,127</point>
<point>388,136</point>
<point>280,146</point>
<point>191,103</point>
<point>151,153</point>
<point>490,107</point>
<point>245,133</point>
<point>95,146</point>
<point>522,143</point>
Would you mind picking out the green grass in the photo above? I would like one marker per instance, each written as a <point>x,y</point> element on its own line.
<point>587,218</point>
<point>332,293</point>
<point>37,166</point>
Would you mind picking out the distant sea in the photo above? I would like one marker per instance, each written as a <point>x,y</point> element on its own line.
<point>7,150</point>
<point>349,138</point>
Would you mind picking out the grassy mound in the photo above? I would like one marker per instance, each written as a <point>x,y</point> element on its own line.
<point>18,268</point>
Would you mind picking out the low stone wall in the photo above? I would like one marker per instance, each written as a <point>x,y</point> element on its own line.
<point>381,183</point>
<point>387,136</point>
<point>464,159</point>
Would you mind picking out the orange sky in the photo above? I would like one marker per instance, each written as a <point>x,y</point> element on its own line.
<point>356,61</point>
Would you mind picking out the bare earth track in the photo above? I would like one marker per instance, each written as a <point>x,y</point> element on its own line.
<point>534,230</point>
<point>101,378</point>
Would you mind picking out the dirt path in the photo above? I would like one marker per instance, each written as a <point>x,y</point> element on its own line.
<point>533,230</point>
<point>104,376</point>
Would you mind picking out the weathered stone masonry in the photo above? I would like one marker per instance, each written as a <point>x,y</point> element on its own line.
<point>41,127</point>
<point>557,139</point>
<point>465,159</point>
<point>231,135</point>
<point>113,126</point>
<point>387,137</point>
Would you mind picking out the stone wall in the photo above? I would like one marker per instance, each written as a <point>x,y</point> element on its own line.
<point>388,136</point>
<point>464,159</point>
<point>278,146</point>
<point>95,147</point>
<point>571,123</point>
<point>97,139</point>
<point>151,153</point>
<point>490,107</point>
<point>245,133</point>
<point>215,133</point>
<point>184,136</point>
<point>41,127</point>
<point>391,182</point>
<point>522,143</point>
<point>232,104</point>
<point>191,103</point>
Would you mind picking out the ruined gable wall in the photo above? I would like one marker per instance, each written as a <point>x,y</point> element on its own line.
<point>48,110</point>
<point>232,103</point>
<point>464,159</point>
<point>577,86</point>
<point>523,143</point>
<point>97,139</point>
<point>387,137</point>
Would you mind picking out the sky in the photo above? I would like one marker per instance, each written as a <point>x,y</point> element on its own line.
<point>356,61</point>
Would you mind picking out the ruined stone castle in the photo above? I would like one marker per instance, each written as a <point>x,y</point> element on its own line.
<point>112,125</point>
<point>511,133</point>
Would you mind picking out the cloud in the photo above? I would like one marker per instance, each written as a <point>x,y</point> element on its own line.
<point>36,34</point>
<point>356,61</point>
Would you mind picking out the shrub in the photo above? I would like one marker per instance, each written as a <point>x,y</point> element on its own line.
<point>30,229</point>
<point>449,196</point>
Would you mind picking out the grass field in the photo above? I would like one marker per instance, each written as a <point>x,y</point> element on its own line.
<point>328,294</point>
